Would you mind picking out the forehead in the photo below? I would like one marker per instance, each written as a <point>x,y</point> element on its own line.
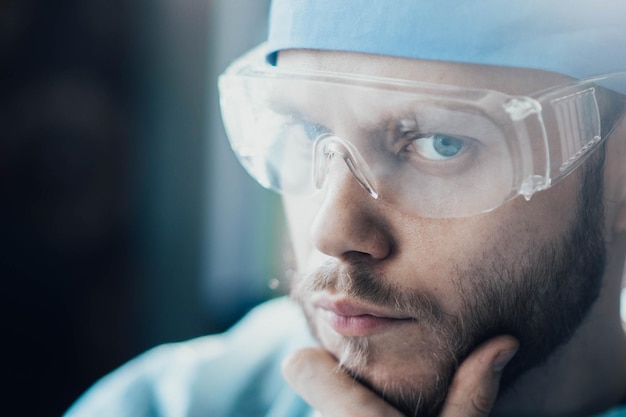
<point>508,80</point>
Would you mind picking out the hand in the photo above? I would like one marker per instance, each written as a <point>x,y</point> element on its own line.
<point>313,373</point>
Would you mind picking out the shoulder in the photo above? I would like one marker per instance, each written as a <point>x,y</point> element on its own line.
<point>234,373</point>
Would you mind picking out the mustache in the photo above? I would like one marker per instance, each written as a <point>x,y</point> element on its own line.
<point>359,281</point>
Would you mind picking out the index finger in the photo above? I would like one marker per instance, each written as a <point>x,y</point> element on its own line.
<point>475,386</point>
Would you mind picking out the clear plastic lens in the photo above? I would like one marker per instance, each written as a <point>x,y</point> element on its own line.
<point>427,150</point>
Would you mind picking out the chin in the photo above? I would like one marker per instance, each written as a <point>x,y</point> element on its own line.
<point>410,370</point>
<point>415,387</point>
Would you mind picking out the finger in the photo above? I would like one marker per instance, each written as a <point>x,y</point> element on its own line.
<point>316,376</point>
<point>474,388</point>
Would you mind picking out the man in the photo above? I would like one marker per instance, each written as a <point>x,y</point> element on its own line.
<point>456,197</point>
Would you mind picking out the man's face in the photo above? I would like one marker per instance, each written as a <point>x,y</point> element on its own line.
<point>401,300</point>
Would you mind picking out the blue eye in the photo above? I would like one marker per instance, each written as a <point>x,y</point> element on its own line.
<point>447,146</point>
<point>438,146</point>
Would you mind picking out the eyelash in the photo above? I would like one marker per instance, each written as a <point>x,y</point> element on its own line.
<point>428,152</point>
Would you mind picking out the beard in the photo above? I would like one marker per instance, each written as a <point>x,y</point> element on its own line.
<point>541,298</point>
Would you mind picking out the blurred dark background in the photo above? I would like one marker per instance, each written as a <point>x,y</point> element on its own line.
<point>125,221</point>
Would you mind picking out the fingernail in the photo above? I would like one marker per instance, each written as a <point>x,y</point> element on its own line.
<point>502,359</point>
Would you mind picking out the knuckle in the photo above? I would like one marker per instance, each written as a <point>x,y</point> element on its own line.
<point>482,403</point>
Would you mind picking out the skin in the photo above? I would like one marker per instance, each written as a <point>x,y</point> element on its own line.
<point>586,375</point>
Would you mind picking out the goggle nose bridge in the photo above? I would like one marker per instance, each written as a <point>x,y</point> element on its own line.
<point>325,149</point>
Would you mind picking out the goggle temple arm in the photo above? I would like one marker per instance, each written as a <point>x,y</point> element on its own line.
<point>532,147</point>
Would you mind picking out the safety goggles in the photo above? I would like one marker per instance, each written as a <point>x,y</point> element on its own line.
<point>428,150</point>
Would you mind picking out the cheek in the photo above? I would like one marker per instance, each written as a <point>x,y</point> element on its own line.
<point>437,249</point>
<point>549,214</point>
<point>300,213</point>
<point>521,224</point>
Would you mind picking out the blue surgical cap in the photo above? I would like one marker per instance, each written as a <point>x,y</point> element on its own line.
<point>574,37</point>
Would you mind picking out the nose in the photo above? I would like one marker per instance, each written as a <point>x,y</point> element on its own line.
<point>349,221</point>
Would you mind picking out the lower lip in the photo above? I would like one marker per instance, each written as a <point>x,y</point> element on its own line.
<point>362,325</point>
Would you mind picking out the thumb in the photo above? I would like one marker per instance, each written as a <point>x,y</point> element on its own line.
<point>475,385</point>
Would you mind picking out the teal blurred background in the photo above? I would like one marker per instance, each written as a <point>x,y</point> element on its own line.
<point>125,219</point>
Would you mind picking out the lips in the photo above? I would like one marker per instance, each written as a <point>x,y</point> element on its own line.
<point>352,318</point>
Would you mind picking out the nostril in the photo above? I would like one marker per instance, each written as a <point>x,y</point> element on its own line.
<point>366,258</point>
